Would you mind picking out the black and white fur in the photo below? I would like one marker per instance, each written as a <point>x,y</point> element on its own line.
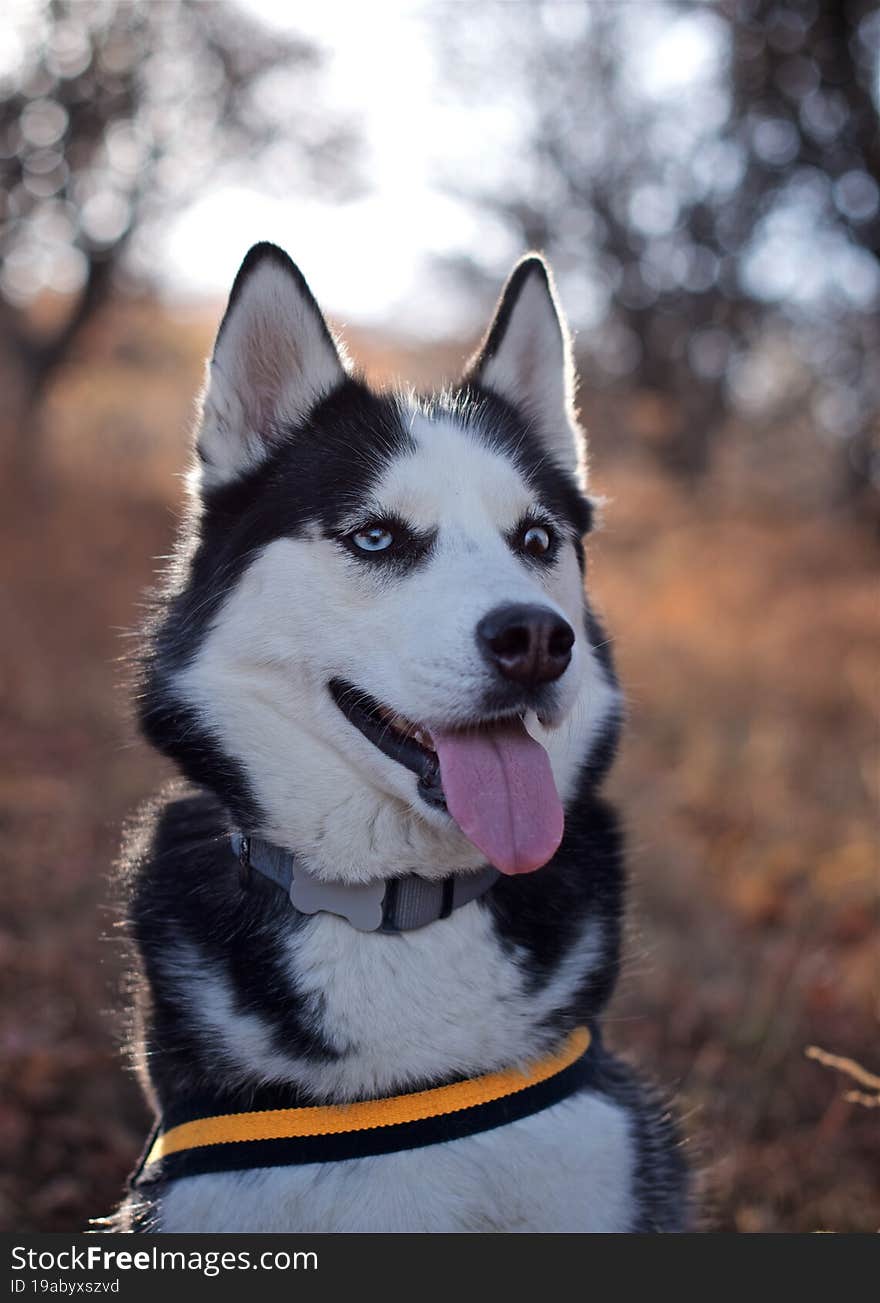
<point>266,604</point>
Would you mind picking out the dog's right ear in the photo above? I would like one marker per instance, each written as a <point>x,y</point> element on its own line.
<point>274,358</point>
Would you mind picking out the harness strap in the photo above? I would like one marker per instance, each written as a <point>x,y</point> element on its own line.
<point>335,1132</point>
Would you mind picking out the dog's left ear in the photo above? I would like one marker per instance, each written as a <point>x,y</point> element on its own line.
<point>526,358</point>
<point>274,359</point>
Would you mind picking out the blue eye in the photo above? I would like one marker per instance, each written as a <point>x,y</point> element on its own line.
<point>375,538</point>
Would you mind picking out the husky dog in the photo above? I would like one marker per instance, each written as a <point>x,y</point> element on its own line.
<point>376,668</point>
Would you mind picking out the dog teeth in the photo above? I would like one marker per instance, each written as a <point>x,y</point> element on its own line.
<point>424,739</point>
<point>400,724</point>
<point>392,719</point>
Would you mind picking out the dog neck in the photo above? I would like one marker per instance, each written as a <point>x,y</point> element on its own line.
<point>245,993</point>
<point>400,904</point>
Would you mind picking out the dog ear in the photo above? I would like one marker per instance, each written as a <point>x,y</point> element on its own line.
<point>274,358</point>
<point>526,358</point>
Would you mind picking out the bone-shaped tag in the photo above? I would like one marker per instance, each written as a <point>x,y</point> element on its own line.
<point>360,903</point>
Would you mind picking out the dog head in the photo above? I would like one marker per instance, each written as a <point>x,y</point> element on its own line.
<point>376,647</point>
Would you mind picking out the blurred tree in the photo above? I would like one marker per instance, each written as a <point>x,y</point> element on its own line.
<point>113,114</point>
<point>707,179</point>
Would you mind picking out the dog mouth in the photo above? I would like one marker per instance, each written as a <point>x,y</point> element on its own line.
<point>408,744</point>
<point>491,777</point>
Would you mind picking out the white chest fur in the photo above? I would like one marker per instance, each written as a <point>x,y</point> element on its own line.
<point>445,1001</point>
<point>448,1000</point>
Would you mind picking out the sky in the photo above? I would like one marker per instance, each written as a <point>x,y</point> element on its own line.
<point>370,260</point>
<point>373,258</point>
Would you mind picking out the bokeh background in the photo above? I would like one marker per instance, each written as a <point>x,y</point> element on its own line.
<point>706,180</point>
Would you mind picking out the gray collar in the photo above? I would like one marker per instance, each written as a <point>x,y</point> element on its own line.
<point>392,905</point>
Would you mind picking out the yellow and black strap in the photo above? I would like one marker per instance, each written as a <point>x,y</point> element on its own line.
<point>277,1137</point>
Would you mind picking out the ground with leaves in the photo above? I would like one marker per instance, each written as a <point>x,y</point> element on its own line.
<point>746,637</point>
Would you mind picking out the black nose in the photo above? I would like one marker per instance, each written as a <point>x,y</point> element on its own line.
<point>527,644</point>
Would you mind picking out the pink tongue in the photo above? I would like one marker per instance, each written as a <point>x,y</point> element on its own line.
<point>499,789</point>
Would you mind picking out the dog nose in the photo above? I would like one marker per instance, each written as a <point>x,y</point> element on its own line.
<point>527,644</point>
